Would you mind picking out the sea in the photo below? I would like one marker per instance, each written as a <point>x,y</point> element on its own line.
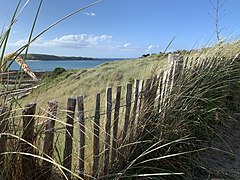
<point>50,65</point>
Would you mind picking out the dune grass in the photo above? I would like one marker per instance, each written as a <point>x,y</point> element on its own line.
<point>166,146</point>
<point>204,95</point>
<point>89,82</point>
<point>9,101</point>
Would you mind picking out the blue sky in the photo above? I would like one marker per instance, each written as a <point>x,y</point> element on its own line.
<point>120,28</point>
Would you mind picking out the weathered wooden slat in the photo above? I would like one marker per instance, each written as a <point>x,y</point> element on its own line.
<point>159,92</point>
<point>146,99</point>
<point>115,124</point>
<point>3,139</point>
<point>13,81</point>
<point>164,88</point>
<point>125,137</point>
<point>96,143</point>
<point>49,138</point>
<point>146,95</point>
<point>153,91</point>
<point>28,164</point>
<point>140,112</point>
<point>15,74</point>
<point>141,92</point>
<point>178,67</point>
<point>134,110</point>
<point>176,64</point>
<point>107,130</point>
<point>81,122</point>
<point>127,112</point>
<point>185,63</point>
<point>67,156</point>
<point>170,78</point>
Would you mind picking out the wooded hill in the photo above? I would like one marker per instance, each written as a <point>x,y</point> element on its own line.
<point>45,57</point>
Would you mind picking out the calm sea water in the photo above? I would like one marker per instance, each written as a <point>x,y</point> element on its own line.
<point>40,66</point>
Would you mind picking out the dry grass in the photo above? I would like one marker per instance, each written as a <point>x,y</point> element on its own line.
<point>167,143</point>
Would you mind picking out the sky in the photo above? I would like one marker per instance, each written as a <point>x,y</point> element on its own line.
<point>120,28</point>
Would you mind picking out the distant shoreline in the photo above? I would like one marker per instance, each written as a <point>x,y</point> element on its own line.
<point>64,59</point>
<point>50,65</point>
<point>45,57</point>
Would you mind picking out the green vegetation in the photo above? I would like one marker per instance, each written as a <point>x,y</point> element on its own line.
<point>204,96</point>
<point>45,57</point>
<point>169,144</point>
<point>89,82</point>
<point>203,99</point>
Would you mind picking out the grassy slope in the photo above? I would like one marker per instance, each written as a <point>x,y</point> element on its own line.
<point>88,82</point>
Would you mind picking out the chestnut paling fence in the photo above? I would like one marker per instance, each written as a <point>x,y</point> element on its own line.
<point>147,94</point>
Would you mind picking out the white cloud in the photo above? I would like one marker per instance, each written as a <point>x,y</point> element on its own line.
<point>82,41</point>
<point>121,47</point>
<point>127,45</point>
<point>89,14</point>
<point>69,41</point>
<point>151,47</point>
<point>79,41</point>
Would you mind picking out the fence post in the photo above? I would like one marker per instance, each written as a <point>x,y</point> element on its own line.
<point>141,93</point>
<point>28,164</point>
<point>164,88</point>
<point>134,110</point>
<point>178,67</point>
<point>141,89</point>
<point>147,92</point>
<point>67,156</point>
<point>115,125</point>
<point>96,143</point>
<point>81,122</point>
<point>49,138</point>
<point>175,62</point>
<point>108,130</point>
<point>3,138</point>
<point>155,85</point>
<point>175,65</point>
<point>146,99</point>
<point>127,112</point>
<point>150,95</point>
<point>160,92</point>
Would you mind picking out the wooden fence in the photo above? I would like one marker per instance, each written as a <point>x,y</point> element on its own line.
<point>19,84</point>
<point>145,96</point>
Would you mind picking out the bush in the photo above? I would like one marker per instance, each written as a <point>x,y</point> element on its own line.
<point>57,71</point>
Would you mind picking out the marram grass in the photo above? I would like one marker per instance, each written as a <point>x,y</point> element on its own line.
<point>205,93</point>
